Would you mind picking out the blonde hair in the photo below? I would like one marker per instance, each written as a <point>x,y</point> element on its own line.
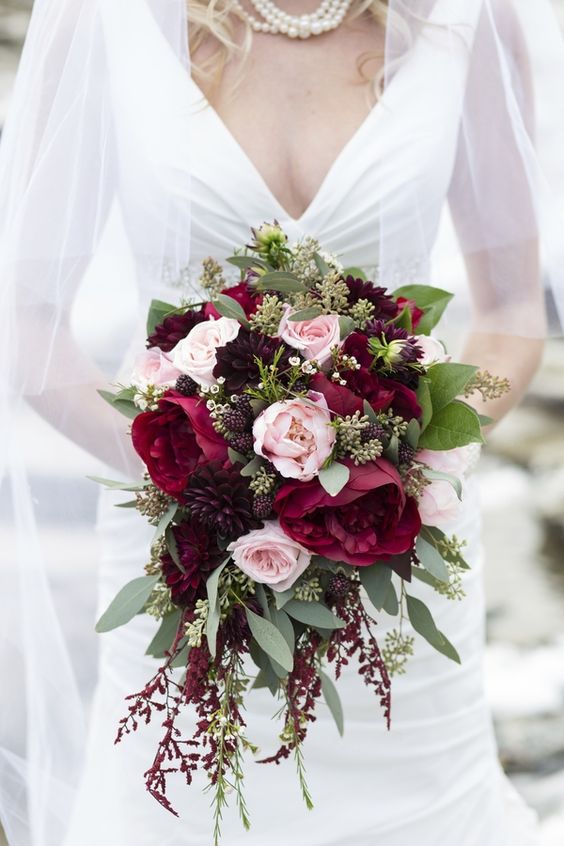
<point>215,18</point>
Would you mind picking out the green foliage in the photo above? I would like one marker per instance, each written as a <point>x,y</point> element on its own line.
<point>431,559</point>
<point>158,310</point>
<point>165,635</point>
<point>313,614</point>
<point>334,478</point>
<point>165,520</point>
<point>391,603</point>
<point>121,403</point>
<point>279,280</point>
<point>455,425</point>
<point>306,314</point>
<point>445,477</point>
<point>270,640</point>
<point>228,307</point>
<point>376,581</point>
<point>447,381</point>
<point>432,301</point>
<point>214,613</point>
<point>333,701</point>
<point>129,601</point>
<point>422,621</point>
<point>424,399</point>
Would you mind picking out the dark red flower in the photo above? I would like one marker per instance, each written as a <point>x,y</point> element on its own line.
<point>175,439</point>
<point>237,360</point>
<point>199,554</point>
<point>360,289</point>
<point>247,297</point>
<point>173,329</point>
<point>370,520</point>
<point>416,312</point>
<point>219,498</point>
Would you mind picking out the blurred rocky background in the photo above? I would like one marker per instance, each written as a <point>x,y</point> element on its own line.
<point>522,483</point>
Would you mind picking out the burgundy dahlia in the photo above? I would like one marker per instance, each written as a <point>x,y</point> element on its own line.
<point>394,350</point>
<point>173,329</point>
<point>198,554</point>
<point>219,498</point>
<point>360,289</point>
<point>236,361</point>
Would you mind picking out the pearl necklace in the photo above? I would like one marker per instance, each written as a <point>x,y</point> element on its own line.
<point>329,15</point>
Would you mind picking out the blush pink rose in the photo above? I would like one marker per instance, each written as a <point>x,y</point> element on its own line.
<point>439,502</point>
<point>195,354</point>
<point>454,461</point>
<point>433,350</point>
<point>314,338</point>
<point>153,367</point>
<point>295,435</point>
<point>270,557</point>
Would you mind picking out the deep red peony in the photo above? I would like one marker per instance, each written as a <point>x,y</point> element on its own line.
<point>244,294</point>
<point>174,440</point>
<point>370,520</point>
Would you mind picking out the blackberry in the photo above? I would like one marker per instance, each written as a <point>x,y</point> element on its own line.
<point>405,453</point>
<point>338,586</point>
<point>241,441</point>
<point>262,507</point>
<point>300,387</point>
<point>374,431</point>
<point>237,420</point>
<point>186,385</point>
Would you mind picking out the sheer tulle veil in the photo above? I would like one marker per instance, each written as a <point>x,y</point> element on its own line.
<point>96,156</point>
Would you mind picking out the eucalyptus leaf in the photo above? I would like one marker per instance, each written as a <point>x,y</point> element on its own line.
<point>158,310</point>
<point>391,602</point>
<point>422,621</point>
<point>260,594</point>
<point>270,639</point>
<point>334,478</point>
<point>118,486</point>
<point>279,280</point>
<point>485,420</point>
<point>313,614</point>
<point>321,264</point>
<point>404,320</point>
<point>165,520</point>
<point>355,272</point>
<point>425,577</point>
<point>258,405</point>
<point>283,623</point>
<point>236,457</point>
<point>424,399</point>
<point>252,466</point>
<point>326,564</point>
<point>369,411</point>
<point>346,326</point>
<point>245,262</point>
<point>124,406</point>
<point>413,433</point>
<point>212,584</point>
<point>131,503</point>
<point>455,425</point>
<point>214,613</point>
<point>228,307</point>
<point>182,657</point>
<point>306,314</point>
<point>129,601</point>
<point>431,560</point>
<point>164,638</point>
<point>333,700</point>
<point>436,475</point>
<point>281,597</point>
<point>447,381</point>
<point>391,452</point>
<point>376,581</point>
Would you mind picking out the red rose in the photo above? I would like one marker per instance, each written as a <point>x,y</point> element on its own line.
<point>370,520</point>
<point>175,439</point>
<point>246,296</point>
<point>416,312</point>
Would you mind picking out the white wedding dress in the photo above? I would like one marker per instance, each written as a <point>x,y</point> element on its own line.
<point>434,779</point>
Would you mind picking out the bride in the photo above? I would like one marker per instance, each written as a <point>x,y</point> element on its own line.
<point>166,131</point>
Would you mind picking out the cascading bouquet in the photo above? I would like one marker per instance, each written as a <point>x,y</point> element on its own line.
<point>302,434</point>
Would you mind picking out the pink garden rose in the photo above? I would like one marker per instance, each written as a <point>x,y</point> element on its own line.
<point>195,354</point>
<point>153,367</point>
<point>270,557</point>
<point>433,350</point>
<point>439,502</point>
<point>314,338</point>
<point>295,435</point>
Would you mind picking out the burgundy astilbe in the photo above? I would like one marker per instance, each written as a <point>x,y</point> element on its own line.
<point>357,638</point>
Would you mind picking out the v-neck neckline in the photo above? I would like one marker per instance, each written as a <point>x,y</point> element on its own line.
<point>282,213</point>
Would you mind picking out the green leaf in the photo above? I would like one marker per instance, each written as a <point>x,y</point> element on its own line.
<point>236,457</point>
<point>485,420</point>
<point>270,639</point>
<point>404,320</point>
<point>313,614</point>
<point>432,300</point>
<point>431,559</point>
<point>212,623</point>
<point>346,326</point>
<point>306,314</point>
<point>130,601</point>
<point>455,425</point>
<point>244,262</point>
<point>252,466</point>
<point>158,310</point>
<point>260,594</point>
<point>422,621</point>
<point>279,280</point>
<point>391,602</point>
<point>334,478</point>
<point>424,576</point>
<point>444,477</point>
<point>413,433</point>
<point>165,520</point>
<point>283,623</point>
<point>356,272</point>
<point>124,406</point>
<point>181,658</point>
<point>424,399</point>
<point>333,701</point>
<point>369,411</point>
<point>172,547</point>
<point>132,503</point>
<point>281,597</point>
<point>228,307</point>
<point>326,564</point>
<point>165,635</point>
<point>321,264</point>
<point>376,581</point>
<point>392,450</point>
<point>447,381</point>
<point>118,486</point>
<point>258,405</point>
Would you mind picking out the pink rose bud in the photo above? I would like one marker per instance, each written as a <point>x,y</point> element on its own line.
<point>439,504</point>
<point>314,338</point>
<point>153,367</point>
<point>270,557</point>
<point>433,350</point>
<point>296,435</point>
<point>195,354</point>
